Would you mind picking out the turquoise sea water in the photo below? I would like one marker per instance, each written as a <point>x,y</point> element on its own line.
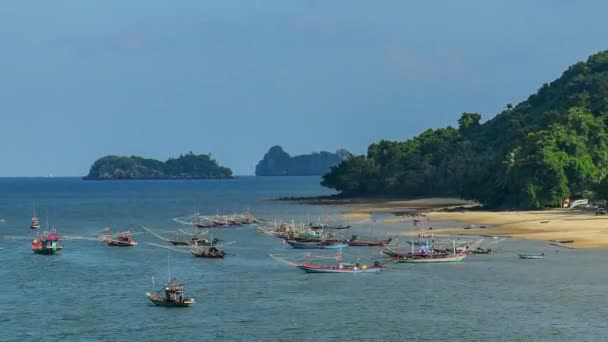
<point>93,292</point>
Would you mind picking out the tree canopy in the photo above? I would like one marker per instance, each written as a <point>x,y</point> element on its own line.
<point>533,155</point>
<point>188,166</point>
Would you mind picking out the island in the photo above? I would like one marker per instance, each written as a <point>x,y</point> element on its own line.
<point>188,166</point>
<point>277,162</point>
<point>544,152</point>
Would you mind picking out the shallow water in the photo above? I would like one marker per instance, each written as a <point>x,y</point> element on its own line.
<point>92,292</point>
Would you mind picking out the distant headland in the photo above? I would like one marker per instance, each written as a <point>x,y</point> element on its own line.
<point>279,163</point>
<point>189,166</point>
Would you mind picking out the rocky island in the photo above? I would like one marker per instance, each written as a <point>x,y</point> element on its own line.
<point>279,163</point>
<point>189,166</point>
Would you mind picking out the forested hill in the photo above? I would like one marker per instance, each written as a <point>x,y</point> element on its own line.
<point>277,162</point>
<point>550,147</point>
<point>189,166</point>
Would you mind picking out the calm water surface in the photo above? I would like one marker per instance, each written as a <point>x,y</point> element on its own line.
<point>92,292</point>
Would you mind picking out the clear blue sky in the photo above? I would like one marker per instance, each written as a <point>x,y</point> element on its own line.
<point>82,79</point>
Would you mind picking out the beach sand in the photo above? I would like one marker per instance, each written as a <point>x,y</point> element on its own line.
<point>584,227</point>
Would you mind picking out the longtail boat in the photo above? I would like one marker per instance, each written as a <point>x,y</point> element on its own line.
<point>328,227</point>
<point>340,267</point>
<point>428,255</point>
<point>173,296</point>
<point>331,244</point>
<point>47,243</point>
<point>355,242</point>
<point>196,239</point>
<point>122,240</point>
<point>431,258</point>
<point>531,256</point>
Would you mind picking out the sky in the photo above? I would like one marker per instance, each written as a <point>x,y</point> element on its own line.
<point>83,79</point>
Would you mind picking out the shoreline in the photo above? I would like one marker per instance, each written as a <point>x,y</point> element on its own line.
<point>579,228</point>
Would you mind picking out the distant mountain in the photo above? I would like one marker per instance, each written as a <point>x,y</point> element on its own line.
<point>189,166</point>
<point>279,163</point>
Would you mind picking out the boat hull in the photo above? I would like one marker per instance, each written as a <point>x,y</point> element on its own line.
<point>115,243</point>
<point>316,245</point>
<point>531,257</point>
<point>368,243</point>
<point>160,302</point>
<point>325,269</point>
<point>48,251</point>
<point>421,260</point>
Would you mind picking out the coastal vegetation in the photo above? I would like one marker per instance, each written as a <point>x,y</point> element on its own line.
<point>277,162</point>
<point>188,166</point>
<point>550,147</point>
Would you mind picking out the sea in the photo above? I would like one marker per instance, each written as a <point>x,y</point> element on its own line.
<point>94,292</point>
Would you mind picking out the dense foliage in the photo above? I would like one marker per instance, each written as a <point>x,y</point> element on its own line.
<point>548,148</point>
<point>277,162</point>
<point>189,166</point>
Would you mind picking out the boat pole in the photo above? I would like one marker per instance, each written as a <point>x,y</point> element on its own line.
<point>454,246</point>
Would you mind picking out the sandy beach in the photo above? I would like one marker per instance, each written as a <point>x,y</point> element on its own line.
<point>551,225</point>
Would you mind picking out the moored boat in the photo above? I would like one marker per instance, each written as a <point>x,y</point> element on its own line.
<point>173,296</point>
<point>122,240</point>
<point>35,222</point>
<point>531,256</point>
<point>332,244</point>
<point>340,267</point>
<point>47,243</point>
<point>355,242</point>
<point>212,252</point>
<point>431,258</point>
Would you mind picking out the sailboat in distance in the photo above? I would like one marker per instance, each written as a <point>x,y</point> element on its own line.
<point>35,222</point>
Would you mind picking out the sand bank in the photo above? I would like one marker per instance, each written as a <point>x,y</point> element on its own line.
<point>584,227</point>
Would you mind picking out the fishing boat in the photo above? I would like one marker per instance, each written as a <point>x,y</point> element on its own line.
<point>431,258</point>
<point>355,242</point>
<point>328,227</point>
<point>340,267</point>
<point>47,243</point>
<point>531,256</point>
<point>172,295</point>
<point>329,244</point>
<point>196,239</point>
<point>426,254</point>
<point>211,251</point>
<point>480,250</point>
<point>35,222</point>
<point>122,240</point>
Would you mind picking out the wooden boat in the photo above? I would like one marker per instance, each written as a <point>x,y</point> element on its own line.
<point>431,258</point>
<point>340,267</point>
<point>196,239</point>
<point>427,254</point>
<point>47,243</point>
<point>480,250</point>
<point>212,252</point>
<point>35,222</point>
<point>173,296</point>
<point>531,256</point>
<point>122,240</point>
<point>328,227</point>
<point>370,243</point>
<point>317,245</point>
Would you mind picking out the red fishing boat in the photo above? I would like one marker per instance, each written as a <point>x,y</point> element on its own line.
<point>122,240</point>
<point>47,243</point>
